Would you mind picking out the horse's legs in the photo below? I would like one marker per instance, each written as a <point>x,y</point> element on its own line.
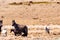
<point>15,32</point>
<point>12,30</point>
<point>20,32</point>
<point>0,31</point>
<point>25,31</point>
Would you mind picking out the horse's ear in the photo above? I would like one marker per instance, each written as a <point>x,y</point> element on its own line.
<point>13,20</point>
<point>1,21</point>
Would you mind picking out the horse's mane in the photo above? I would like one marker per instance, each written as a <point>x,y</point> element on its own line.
<point>21,26</point>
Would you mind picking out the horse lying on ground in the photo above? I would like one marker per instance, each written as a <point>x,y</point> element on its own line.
<point>19,29</point>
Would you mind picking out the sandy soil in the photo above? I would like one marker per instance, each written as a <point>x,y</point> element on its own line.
<point>30,15</point>
<point>35,14</point>
<point>35,32</point>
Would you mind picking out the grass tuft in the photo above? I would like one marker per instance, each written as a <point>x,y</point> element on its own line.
<point>30,2</point>
<point>14,3</point>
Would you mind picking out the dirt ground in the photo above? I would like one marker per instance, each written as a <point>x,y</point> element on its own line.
<point>34,14</point>
<point>35,32</point>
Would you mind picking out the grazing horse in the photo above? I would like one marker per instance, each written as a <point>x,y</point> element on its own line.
<point>19,29</point>
<point>47,30</point>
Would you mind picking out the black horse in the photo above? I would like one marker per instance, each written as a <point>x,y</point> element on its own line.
<point>19,29</point>
<point>0,25</point>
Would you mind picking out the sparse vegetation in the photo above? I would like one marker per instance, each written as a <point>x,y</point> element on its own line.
<point>40,2</point>
<point>27,15</point>
<point>58,2</point>
<point>35,18</point>
<point>30,2</point>
<point>2,16</point>
<point>20,3</point>
<point>33,33</point>
<point>14,3</point>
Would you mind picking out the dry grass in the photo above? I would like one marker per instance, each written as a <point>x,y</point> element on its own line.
<point>30,2</point>
<point>14,3</point>
<point>39,13</point>
<point>34,34</point>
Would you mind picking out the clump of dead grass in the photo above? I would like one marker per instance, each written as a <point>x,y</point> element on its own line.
<point>30,2</point>
<point>14,3</point>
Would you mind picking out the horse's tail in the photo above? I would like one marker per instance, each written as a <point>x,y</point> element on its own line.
<point>26,30</point>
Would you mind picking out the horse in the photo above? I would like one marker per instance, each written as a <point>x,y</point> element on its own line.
<point>0,25</point>
<point>19,29</point>
<point>47,30</point>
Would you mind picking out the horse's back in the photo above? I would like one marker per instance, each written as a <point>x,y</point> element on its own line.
<point>21,26</point>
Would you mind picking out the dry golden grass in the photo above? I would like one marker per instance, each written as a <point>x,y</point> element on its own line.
<point>31,15</point>
<point>38,13</point>
<point>34,34</point>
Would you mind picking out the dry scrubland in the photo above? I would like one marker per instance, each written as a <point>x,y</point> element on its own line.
<point>34,14</point>
<point>35,32</point>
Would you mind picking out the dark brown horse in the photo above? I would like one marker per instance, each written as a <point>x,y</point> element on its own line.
<point>19,29</point>
<point>0,25</point>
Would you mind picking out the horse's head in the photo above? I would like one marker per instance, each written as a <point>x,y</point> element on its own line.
<point>13,23</point>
